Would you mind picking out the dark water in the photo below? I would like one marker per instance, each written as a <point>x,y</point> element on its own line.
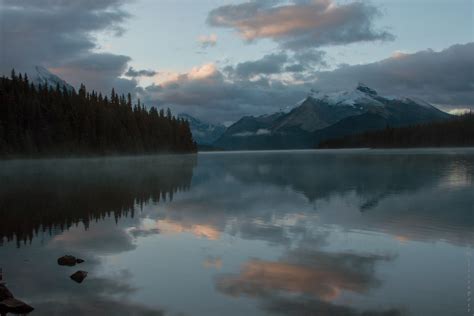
<point>265,233</point>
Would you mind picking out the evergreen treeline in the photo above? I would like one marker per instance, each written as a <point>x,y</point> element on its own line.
<point>40,120</point>
<point>458,131</point>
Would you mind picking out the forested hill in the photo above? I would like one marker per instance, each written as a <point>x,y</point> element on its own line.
<point>37,120</point>
<point>458,131</point>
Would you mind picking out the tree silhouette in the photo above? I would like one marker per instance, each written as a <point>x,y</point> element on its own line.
<point>41,120</point>
<point>458,131</point>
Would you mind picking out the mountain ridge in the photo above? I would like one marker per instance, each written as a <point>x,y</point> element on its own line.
<point>204,133</point>
<point>325,115</point>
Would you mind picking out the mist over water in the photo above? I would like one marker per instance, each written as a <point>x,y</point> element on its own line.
<point>349,232</point>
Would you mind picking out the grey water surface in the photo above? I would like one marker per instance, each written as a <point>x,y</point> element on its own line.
<point>343,232</point>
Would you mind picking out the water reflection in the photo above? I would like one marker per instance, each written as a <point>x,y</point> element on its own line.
<point>56,194</point>
<point>284,233</point>
<point>320,274</point>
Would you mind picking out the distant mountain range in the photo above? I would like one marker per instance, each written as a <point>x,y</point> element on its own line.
<point>322,116</point>
<point>203,133</point>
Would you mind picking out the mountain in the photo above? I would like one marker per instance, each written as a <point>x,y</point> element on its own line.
<point>203,133</point>
<point>43,76</point>
<point>321,116</point>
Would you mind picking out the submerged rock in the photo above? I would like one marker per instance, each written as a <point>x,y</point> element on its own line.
<point>79,276</point>
<point>68,260</point>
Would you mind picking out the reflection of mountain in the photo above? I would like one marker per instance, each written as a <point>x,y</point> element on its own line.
<point>421,195</point>
<point>318,175</point>
<point>50,194</point>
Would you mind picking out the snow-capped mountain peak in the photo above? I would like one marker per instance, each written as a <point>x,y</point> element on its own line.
<point>203,132</point>
<point>44,77</point>
<point>361,95</point>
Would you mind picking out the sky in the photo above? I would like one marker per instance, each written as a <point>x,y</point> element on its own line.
<point>221,60</point>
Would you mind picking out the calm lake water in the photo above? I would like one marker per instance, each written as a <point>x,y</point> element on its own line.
<point>348,232</point>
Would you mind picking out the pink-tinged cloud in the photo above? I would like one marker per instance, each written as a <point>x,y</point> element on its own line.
<point>302,24</point>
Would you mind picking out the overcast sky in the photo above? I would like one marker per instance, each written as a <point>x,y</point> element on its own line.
<point>219,60</point>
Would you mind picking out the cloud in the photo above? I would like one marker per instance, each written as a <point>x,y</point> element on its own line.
<point>459,111</point>
<point>443,77</point>
<point>216,96</point>
<point>280,80</point>
<point>259,132</point>
<point>62,38</point>
<point>301,24</point>
<point>268,64</point>
<point>207,41</point>
<point>140,73</point>
<point>99,71</point>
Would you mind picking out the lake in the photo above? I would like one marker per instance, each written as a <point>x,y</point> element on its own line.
<point>343,232</point>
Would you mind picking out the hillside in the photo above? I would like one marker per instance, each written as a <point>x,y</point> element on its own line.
<point>458,131</point>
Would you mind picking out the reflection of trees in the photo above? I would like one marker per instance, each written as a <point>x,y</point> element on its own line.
<point>55,194</point>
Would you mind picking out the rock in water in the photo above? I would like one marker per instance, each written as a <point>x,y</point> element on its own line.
<point>5,293</point>
<point>68,260</point>
<point>12,305</point>
<point>9,304</point>
<point>79,276</point>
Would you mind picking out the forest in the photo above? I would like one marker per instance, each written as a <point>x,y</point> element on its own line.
<point>40,120</point>
<point>455,132</point>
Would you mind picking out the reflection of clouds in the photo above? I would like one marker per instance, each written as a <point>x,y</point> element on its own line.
<point>104,238</point>
<point>249,211</point>
<point>166,226</point>
<point>95,306</point>
<point>430,214</point>
<point>198,230</point>
<point>457,175</point>
<point>97,296</point>
<point>213,262</point>
<point>307,283</point>
<point>47,287</point>
<point>308,307</point>
<point>319,274</point>
<point>399,193</point>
